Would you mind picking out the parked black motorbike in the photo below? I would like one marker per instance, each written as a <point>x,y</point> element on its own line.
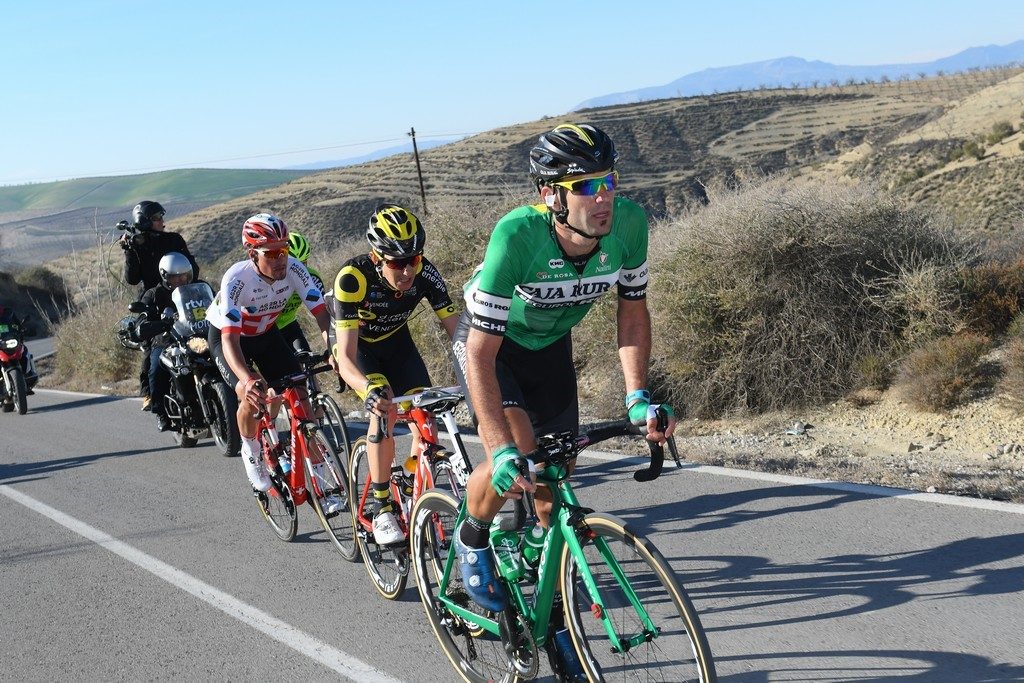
<point>198,400</point>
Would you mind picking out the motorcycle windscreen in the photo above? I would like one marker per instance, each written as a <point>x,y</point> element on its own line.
<point>191,302</point>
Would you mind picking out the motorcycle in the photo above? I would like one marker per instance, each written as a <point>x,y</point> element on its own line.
<point>198,401</point>
<point>15,386</point>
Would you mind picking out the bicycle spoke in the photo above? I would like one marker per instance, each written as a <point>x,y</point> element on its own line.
<point>656,634</point>
<point>476,654</point>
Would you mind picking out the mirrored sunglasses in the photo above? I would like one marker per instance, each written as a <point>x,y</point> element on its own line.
<point>588,187</point>
<point>402,263</point>
<point>272,253</point>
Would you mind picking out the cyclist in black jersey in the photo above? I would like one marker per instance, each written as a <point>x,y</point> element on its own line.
<point>374,295</point>
<point>544,268</point>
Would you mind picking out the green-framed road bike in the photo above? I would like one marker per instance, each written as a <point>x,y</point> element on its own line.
<point>627,618</point>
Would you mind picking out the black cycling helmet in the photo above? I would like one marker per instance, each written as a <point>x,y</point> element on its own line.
<point>144,212</point>
<point>571,149</point>
<point>395,232</point>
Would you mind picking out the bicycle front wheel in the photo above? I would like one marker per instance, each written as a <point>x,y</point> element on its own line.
<point>656,633</point>
<point>387,565</point>
<point>276,503</point>
<point>477,655</point>
<point>332,424</point>
<point>329,493</point>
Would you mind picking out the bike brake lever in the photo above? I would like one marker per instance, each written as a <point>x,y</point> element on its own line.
<point>382,431</point>
<point>653,471</point>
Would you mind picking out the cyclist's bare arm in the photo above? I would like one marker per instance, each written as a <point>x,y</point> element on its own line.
<point>449,324</point>
<point>634,339</point>
<point>481,375</point>
<point>235,358</point>
<point>323,321</point>
<point>348,349</point>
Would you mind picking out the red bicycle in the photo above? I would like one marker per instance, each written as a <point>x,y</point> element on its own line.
<point>388,565</point>
<point>305,468</point>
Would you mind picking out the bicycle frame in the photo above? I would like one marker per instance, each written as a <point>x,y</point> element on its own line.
<point>424,421</point>
<point>566,514</point>
<point>299,419</point>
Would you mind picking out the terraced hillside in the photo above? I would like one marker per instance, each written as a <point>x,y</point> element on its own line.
<point>670,150</point>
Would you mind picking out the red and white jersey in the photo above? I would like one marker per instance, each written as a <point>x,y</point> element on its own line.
<point>249,305</point>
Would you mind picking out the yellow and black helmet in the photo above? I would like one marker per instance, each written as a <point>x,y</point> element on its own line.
<point>298,247</point>
<point>395,232</point>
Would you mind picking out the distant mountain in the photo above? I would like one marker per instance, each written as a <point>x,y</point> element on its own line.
<point>374,155</point>
<point>790,71</point>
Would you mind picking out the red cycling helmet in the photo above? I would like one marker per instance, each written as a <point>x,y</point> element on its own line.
<point>263,229</point>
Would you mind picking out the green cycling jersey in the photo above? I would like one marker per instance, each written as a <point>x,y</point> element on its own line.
<point>528,289</point>
<point>291,308</point>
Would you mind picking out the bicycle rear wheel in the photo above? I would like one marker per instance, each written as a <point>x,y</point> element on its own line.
<point>337,524</point>
<point>388,566</point>
<point>477,655</point>
<point>676,649</point>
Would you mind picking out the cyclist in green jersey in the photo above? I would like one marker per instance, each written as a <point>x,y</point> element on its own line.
<point>544,267</point>
<point>287,322</point>
<point>374,295</point>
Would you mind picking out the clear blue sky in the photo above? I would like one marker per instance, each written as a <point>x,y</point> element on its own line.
<point>109,87</point>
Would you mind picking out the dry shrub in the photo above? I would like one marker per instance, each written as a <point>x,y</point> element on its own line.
<point>45,280</point>
<point>944,373</point>
<point>775,294</point>
<point>87,350</point>
<point>994,295</point>
<point>873,371</point>
<point>1011,387</point>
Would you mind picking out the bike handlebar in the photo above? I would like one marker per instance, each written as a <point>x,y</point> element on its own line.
<point>560,448</point>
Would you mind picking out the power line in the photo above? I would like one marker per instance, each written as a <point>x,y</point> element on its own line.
<point>193,164</point>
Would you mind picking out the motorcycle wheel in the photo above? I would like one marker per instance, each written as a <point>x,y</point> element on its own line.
<point>222,404</point>
<point>19,390</point>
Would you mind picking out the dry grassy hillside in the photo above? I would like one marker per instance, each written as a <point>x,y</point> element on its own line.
<point>671,149</point>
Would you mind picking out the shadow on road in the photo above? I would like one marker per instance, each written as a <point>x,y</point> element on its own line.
<point>87,401</point>
<point>829,587</point>
<point>908,665</point>
<point>21,472</point>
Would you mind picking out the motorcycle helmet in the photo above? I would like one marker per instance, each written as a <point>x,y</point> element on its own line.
<point>144,213</point>
<point>175,270</point>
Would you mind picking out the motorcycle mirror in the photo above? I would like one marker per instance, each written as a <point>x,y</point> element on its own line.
<point>168,313</point>
<point>137,307</point>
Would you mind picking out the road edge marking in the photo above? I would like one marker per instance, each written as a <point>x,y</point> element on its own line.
<point>283,632</point>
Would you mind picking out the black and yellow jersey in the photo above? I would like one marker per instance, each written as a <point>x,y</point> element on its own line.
<point>363,300</point>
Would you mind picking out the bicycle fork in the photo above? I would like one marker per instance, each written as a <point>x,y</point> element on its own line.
<point>620,644</point>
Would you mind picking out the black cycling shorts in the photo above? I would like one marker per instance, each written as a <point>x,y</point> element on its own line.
<point>541,382</point>
<point>269,352</point>
<point>394,361</point>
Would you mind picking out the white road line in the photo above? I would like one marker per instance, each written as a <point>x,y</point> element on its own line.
<point>303,643</point>
<point>867,489</point>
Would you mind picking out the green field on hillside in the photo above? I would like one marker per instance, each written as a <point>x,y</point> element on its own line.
<point>191,185</point>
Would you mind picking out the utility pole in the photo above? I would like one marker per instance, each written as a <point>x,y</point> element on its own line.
<point>419,173</point>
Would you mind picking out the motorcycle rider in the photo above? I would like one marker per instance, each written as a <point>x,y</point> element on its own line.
<point>175,270</point>
<point>143,247</point>
<point>9,320</point>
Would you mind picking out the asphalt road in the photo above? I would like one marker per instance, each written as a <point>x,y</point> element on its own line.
<point>124,557</point>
